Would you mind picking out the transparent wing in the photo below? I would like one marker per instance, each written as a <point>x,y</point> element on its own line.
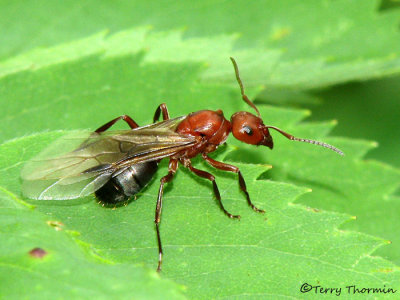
<point>78,164</point>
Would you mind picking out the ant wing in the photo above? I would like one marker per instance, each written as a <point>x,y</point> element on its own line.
<point>80,163</point>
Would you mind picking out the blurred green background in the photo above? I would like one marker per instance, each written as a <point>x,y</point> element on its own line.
<point>367,110</point>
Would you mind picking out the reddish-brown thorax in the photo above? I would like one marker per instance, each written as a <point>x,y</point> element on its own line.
<point>209,127</point>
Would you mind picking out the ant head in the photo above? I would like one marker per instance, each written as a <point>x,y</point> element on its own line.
<point>250,129</point>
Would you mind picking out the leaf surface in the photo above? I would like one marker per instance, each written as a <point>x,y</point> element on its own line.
<point>266,256</point>
<point>69,268</point>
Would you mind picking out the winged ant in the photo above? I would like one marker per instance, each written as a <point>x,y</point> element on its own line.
<point>115,165</point>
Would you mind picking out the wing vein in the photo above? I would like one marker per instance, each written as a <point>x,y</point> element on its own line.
<point>58,172</point>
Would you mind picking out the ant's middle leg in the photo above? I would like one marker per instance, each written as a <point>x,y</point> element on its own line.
<point>132,124</point>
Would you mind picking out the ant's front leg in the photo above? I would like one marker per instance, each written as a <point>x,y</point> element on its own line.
<point>226,167</point>
<point>161,108</point>
<point>210,177</point>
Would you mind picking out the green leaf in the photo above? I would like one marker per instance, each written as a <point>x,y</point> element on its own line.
<point>378,119</point>
<point>266,256</point>
<point>349,185</point>
<point>202,246</point>
<point>69,267</point>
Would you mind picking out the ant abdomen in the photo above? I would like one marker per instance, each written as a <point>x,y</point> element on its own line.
<point>126,184</point>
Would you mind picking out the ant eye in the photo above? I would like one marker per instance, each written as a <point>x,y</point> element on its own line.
<point>247,130</point>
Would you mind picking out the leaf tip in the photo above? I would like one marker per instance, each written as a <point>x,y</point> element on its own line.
<point>280,33</point>
<point>313,209</point>
<point>385,270</point>
<point>206,65</point>
<point>266,166</point>
<point>237,35</point>
<point>57,225</point>
<point>73,233</point>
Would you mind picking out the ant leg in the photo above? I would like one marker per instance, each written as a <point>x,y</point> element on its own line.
<point>161,108</point>
<point>132,124</point>
<point>226,167</point>
<point>173,166</point>
<point>211,177</point>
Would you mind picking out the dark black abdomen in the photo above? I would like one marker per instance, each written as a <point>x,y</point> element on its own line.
<point>128,183</point>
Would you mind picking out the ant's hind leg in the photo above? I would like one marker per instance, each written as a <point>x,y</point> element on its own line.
<point>132,124</point>
<point>226,167</point>
<point>161,108</point>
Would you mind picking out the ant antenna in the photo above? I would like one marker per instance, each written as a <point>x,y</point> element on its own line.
<point>287,135</point>
<point>291,137</point>
<point>244,97</point>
